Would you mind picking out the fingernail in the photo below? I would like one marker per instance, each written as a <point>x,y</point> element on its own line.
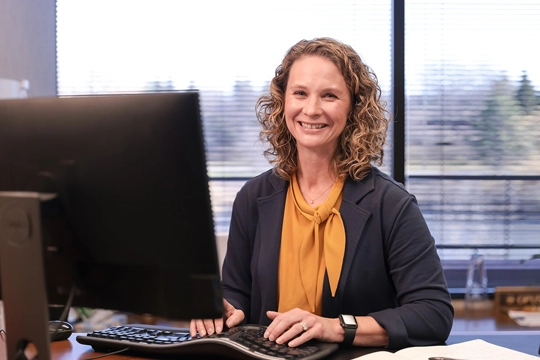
<point>210,331</point>
<point>266,334</point>
<point>218,329</point>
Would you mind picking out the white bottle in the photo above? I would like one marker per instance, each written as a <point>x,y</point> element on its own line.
<point>24,85</point>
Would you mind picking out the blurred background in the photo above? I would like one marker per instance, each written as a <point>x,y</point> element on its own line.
<point>471,111</point>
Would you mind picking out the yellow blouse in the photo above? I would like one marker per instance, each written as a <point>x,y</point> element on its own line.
<point>312,243</point>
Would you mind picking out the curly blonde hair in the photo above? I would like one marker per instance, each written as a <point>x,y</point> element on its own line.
<point>361,142</point>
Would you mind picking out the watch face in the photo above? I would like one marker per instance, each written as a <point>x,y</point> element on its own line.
<point>348,320</point>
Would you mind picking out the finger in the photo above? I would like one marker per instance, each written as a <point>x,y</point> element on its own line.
<point>236,318</point>
<point>233,316</point>
<point>280,324</point>
<point>294,331</point>
<point>209,326</point>
<point>195,326</point>
<point>229,309</point>
<point>270,328</point>
<point>218,323</point>
<point>304,337</point>
<point>192,328</point>
<point>272,314</point>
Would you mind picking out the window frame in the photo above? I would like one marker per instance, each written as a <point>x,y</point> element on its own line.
<point>499,272</point>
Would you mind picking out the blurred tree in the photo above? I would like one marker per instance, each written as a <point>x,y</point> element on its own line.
<point>160,85</point>
<point>526,95</point>
<point>529,100</point>
<point>498,137</point>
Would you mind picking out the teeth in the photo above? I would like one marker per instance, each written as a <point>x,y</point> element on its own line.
<point>308,126</point>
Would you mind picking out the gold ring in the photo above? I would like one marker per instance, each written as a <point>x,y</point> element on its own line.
<point>304,325</point>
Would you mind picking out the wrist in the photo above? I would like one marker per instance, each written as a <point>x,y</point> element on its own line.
<point>339,332</point>
<point>349,325</point>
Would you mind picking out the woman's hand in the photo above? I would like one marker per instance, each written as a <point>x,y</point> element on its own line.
<point>297,326</point>
<point>204,327</point>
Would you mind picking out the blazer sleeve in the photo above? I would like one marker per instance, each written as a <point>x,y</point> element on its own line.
<point>425,314</point>
<point>236,270</point>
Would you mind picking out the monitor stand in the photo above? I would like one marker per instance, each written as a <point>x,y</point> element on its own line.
<point>23,274</point>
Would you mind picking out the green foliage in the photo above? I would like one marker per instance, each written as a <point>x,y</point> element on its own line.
<point>526,95</point>
<point>505,128</point>
<point>494,127</point>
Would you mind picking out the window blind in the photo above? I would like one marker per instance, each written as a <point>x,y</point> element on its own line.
<point>472,115</point>
<point>473,148</point>
<point>227,50</point>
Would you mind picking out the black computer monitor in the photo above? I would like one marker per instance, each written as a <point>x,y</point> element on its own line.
<point>114,191</point>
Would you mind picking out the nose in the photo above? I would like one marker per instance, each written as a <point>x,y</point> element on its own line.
<point>312,106</point>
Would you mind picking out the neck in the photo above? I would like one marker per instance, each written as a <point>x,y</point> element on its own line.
<point>314,169</point>
<point>315,186</point>
<point>314,176</point>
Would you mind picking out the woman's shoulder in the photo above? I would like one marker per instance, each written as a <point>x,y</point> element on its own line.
<point>389,190</point>
<point>264,184</point>
<point>382,179</point>
<point>378,184</point>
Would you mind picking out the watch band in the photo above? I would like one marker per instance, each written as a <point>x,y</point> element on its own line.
<point>349,336</point>
<point>349,324</point>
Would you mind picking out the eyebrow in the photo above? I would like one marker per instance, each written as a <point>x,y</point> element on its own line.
<point>324,90</point>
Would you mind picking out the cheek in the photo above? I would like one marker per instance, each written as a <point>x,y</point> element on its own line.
<point>288,107</point>
<point>289,112</point>
<point>289,122</point>
<point>347,113</point>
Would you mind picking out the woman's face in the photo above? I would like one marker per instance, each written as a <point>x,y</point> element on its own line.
<point>317,102</point>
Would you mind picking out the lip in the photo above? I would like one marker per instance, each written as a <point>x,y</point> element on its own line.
<point>312,126</point>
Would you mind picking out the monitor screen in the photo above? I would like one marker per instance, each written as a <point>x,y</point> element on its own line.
<point>129,226</point>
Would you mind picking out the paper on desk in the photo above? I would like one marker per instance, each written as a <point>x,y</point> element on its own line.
<point>469,350</point>
<point>525,318</point>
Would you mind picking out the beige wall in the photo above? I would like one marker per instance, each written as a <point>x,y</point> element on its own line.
<point>221,242</point>
<point>28,44</point>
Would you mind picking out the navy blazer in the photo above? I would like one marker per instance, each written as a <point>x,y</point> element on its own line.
<point>391,269</point>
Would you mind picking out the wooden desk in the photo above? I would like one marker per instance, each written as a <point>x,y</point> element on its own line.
<point>483,320</point>
<point>71,350</point>
<point>498,329</point>
<point>527,342</point>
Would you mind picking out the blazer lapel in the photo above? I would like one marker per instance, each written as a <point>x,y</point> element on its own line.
<point>355,219</point>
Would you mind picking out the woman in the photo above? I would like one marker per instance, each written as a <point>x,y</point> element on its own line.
<point>325,246</point>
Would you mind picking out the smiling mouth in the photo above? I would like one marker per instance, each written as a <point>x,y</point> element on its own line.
<point>312,126</point>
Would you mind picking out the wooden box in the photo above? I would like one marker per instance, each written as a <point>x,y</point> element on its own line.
<point>523,298</point>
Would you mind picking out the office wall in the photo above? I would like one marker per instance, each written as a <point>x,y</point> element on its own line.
<point>28,44</point>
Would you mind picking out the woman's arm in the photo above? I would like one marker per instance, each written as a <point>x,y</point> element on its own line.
<point>425,314</point>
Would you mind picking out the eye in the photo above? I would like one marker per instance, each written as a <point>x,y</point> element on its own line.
<point>299,93</point>
<point>329,95</point>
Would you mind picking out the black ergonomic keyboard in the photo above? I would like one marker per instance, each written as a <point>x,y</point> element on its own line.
<point>244,342</point>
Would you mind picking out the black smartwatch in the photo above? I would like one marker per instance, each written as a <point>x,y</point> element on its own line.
<point>349,324</point>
